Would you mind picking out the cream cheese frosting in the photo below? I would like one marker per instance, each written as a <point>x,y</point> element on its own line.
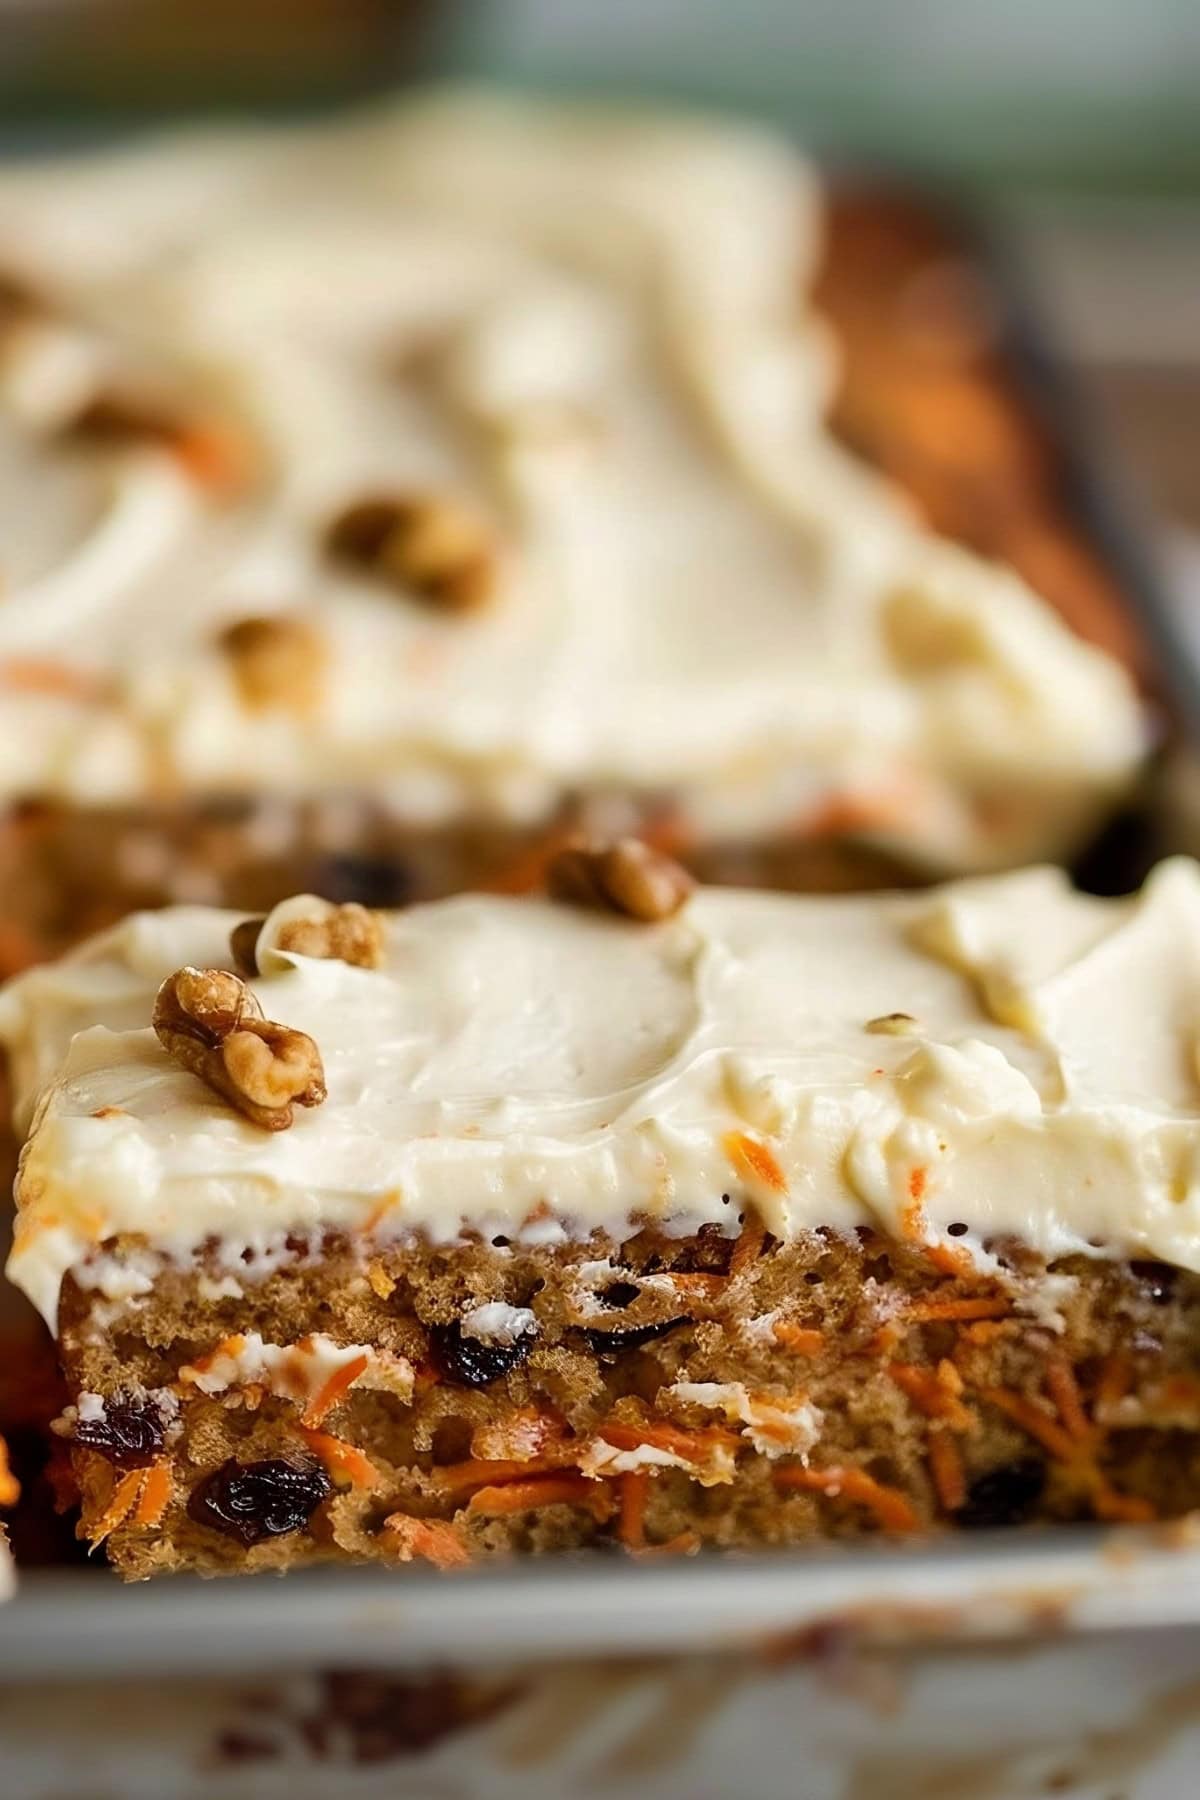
<point>1002,1054</point>
<point>591,326</point>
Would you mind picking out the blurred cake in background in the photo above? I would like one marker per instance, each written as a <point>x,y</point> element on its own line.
<point>385,503</point>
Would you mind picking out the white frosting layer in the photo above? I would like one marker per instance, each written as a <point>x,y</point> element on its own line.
<point>592,327</point>
<point>526,1069</point>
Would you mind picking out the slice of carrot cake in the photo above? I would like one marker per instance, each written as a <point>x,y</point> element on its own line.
<point>638,1214</point>
<point>382,499</point>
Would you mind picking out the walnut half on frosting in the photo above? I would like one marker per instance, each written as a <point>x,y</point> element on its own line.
<point>212,1025</point>
<point>625,876</point>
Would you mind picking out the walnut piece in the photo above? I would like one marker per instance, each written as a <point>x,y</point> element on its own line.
<point>349,933</point>
<point>277,662</point>
<point>212,1025</point>
<point>625,876</point>
<point>430,545</point>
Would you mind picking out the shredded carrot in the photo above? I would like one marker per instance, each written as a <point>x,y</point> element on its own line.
<point>946,1468</point>
<point>929,1312</point>
<point>803,1339</point>
<point>331,1391</point>
<point>685,1544</point>
<point>691,1446</point>
<point>385,1204</point>
<point>1063,1389</point>
<point>381,1282</point>
<point>1125,1509</point>
<point>38,675</point>
<point>889,1505</point>
<point>916,1184</point>
<point>213,455</point>
<point>748,1248</point>
<point>434,1540</point>
<point>10,1487</point>
<point>1031,1418</point>
<point>342,1460</point>
<point>543,1490</point>
<point>155,1495</point>
<point>931,1394</point>
<point>1116,1377</point>
<point>985,1331</point>
<point>121,1500</point>
<point>752,1158</point>
<point>476,1472</point>
<point>698,1281</point>
<point>632,1490</point>
<point>949,1259</point>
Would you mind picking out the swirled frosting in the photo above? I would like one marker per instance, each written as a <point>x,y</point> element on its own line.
<point>521,1067</point>
<point>594,329</point>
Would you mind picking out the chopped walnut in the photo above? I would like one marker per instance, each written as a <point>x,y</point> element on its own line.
<point>626,876</point>
<point>277,662</point>
<point>211,1023</point>
<point>430,545</point>
<point>348,934</point>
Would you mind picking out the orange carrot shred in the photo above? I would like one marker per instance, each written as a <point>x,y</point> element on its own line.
<point>698,1281</point>
<point>124,1494</point>
<point>692,1446</point>
<point>1063,1389</point>
<point>543,1490</point>
<point>685,1544</point>
<point>890,1506</point>
<point>37,675</point>
<point>436,1541</point>
<point>803,1339</point>
<point>928,1312</point>
<point>949,1259</point>
<point>341,1460</point>
<point>1115,1378</point>
<point>10,1487</point>
<point>331,1391</point>
<point>477,1472</point>
<point>1124,1509</point>
<point>750,1157</point>
<point>946,1468</point>
<point>930,1395</point>
<point>155,1495</point>
<point>1032,1419</point>
<point>632,1490</point>
<point>916,1184</point>
<point>748,1247</point>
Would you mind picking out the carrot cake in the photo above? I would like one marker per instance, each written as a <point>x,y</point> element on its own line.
<point>382,499</point>
<point>636,1214</point>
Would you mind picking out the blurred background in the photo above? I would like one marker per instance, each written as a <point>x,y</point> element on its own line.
<point>1079,117</point>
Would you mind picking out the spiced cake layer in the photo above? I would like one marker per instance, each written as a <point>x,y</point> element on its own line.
<point>636,1214</point>
<point>470,460</point>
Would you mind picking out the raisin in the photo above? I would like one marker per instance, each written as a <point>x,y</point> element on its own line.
<point>612,1343</point>
<point>619,1294</point>
<point>379,881</point>
<point>1004,1496</point>
<point>1157,1281</point>
<point>252,1501</point>
<point>130,1432</point>
<point>471,1360</point>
